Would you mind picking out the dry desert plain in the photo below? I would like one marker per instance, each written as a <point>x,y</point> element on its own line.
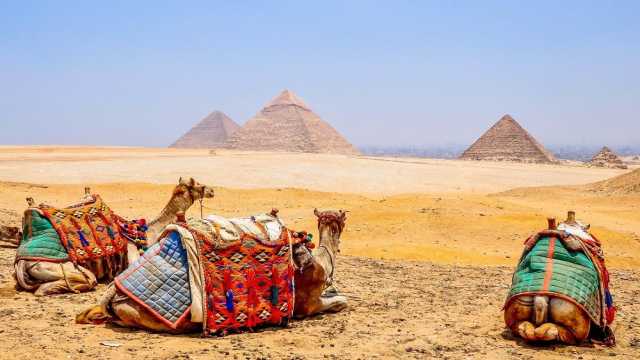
<point>426,256</point>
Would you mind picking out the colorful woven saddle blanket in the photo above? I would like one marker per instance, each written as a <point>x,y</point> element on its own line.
<point>568,264</point>
<point>198,271</point>
<point>248,272</point>
<point>159,280</point>
<point>88,233</point>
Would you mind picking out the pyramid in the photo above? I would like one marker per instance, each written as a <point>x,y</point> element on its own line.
<point>508,141</point>
<point>211,132</point>
<point>286,123</point>
<point>607,158</point>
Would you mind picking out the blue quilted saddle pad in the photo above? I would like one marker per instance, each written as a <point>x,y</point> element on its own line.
<point>159,280</point>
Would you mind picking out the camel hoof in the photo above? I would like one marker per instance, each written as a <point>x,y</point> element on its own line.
<point>547,332</point>
<point>526,330</point>
<point>95,315</point>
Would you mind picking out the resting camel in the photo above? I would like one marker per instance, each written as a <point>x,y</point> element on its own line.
<point>314,274</point>
<point>46,278</point>
<point>548,314</point>
<point>10,236</point>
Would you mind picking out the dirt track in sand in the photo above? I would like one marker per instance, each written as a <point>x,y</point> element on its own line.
<point>446,305</point>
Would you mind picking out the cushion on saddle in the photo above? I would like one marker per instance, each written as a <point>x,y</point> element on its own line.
<point>159,280</point>
<point>40,241</point>
<point>248,276</point>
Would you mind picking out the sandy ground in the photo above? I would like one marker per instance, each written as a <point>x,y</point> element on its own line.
<point>426,264</point>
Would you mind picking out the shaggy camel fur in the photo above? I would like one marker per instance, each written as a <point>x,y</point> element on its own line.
<point>46,278</point>
<point>315,272</point>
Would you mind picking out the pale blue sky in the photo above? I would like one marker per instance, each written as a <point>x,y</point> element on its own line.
<point>421,73</point>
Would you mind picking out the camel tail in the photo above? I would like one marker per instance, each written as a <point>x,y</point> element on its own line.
<point>541,309</point>
<point>22,276</point>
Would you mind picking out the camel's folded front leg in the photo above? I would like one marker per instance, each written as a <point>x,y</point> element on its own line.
<point>554,332</point>
<point>333,303</point>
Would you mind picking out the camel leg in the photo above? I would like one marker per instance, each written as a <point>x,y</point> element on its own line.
<point>62,277</point>
<point>98,314</point>
<point>517,317</point>
<point>573,323</point>
<point>333,304</point>
<point>554,332</point>
<point>526,330</point>
<point>51,288</point>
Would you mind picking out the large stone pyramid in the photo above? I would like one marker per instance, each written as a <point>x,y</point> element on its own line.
<point>508,141</point>
<point>286,123</point>
<point>211,132</point>
<point>608,159</point>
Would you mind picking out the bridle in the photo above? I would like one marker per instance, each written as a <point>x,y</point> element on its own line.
<point>194,195</point>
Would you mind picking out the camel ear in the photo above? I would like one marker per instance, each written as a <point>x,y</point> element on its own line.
<point>316,212</point>
<point>181,181</point>
<point>343,215</point>
<point>192,182</point>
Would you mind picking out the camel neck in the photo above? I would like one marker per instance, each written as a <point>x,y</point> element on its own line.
<point>167,216</point>
<point>325,254</point>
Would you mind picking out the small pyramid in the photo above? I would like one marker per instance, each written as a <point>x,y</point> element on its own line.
<point>287,123</point>
<point>508,141</point>
<point>608,159</point>
<point>211,132</point>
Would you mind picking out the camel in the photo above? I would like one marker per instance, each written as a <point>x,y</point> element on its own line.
<point>47,278</point>
<point>10,236</point>
<point>314,274</point>
<point>548,316</point>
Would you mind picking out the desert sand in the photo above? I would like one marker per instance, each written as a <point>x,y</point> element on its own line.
<point>426,256</point>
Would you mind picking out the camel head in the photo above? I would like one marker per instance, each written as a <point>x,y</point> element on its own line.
<point>330,226</point>
<point>192,190</point>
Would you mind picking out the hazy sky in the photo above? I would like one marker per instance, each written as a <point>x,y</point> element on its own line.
<point>422,73</point>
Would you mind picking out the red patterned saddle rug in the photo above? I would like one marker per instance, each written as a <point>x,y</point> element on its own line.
<point>248,281</point>
<point>90,233</point>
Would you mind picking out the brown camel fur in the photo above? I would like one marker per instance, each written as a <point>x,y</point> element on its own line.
<point>312,277</point>
<point>542,318</point>
<point>46,278</point>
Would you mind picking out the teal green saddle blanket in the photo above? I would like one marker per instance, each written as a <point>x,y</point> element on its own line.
<point>40,241</point>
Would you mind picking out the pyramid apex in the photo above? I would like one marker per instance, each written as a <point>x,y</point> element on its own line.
<point>507,117</point>
<point>287,97</point>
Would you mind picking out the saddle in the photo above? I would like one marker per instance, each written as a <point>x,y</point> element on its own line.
<point>568,263</point>
<point>86,234</point>
<point>228,274</point>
